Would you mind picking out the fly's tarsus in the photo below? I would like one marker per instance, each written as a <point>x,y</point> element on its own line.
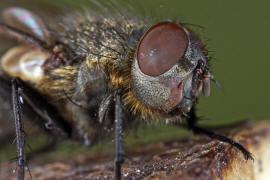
<point>192,125</point>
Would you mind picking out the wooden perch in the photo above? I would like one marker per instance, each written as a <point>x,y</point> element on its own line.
<point>197,158</point>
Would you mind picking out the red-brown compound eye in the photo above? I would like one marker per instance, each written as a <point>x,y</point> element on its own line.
<point>161,47</point>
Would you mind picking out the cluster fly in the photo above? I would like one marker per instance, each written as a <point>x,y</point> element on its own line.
<point>90,73</point>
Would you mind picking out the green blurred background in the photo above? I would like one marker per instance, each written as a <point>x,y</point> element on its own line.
<point>238,33</point>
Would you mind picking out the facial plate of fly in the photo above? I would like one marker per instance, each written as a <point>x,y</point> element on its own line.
<point>160,68</point>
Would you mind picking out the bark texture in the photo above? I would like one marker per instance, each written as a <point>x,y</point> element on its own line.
<point>197,157</point>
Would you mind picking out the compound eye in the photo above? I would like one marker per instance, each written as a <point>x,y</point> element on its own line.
<point>161,47</point>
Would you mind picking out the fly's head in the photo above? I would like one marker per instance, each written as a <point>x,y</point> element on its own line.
<point>170,69</point>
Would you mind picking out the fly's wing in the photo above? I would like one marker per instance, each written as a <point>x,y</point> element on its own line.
<point>24,61</point>
<point>27,27</point>
<point>28,22</point>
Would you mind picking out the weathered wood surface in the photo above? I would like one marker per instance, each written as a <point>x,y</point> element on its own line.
<point>197,157</point>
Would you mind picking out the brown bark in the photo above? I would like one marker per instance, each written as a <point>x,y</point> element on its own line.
<point>197,157</point>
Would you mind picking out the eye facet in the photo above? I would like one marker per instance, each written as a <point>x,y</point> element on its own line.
<point>161,47</point>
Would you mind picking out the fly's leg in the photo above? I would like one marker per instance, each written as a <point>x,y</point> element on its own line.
<point>192,125</point>
<point>33,105</point>
<point>118,159</point>
<point>36,106</point>
<point>17,111</point>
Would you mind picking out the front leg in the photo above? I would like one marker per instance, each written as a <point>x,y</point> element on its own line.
<point>192,125</point>
<point>118,138</point>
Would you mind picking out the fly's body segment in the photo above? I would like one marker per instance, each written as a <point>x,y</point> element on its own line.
<point>93,73</point>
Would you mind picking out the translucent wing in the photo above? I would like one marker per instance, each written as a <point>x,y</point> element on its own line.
<point>24,62</point>
<point>26,21</point>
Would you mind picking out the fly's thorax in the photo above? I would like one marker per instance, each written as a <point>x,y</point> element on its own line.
<point>90,81</point>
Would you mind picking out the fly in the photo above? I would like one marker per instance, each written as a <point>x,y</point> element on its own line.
<point>92,73</point>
